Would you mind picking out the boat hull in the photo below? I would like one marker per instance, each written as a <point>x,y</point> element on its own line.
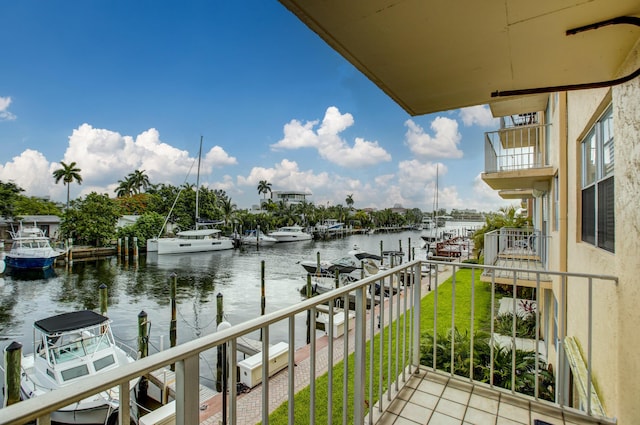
<point>181,246</point>
<point>29,262</point>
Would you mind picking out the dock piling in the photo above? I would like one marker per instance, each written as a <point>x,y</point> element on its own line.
<point>143,349</point>
<point>12,356</point>
<point>103,299</point>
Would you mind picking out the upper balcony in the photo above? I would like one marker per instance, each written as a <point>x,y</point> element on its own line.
<point>515,160</point>
<point>517,248</point>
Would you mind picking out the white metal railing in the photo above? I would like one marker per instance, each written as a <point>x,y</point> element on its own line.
<point>523,244</point>
<point>514,148</point>
<point>561,336</point>
<point>390,331</point>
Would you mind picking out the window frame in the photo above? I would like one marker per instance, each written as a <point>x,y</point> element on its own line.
<point>597,183</point>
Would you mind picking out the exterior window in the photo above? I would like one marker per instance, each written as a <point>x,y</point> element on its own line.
<point>556,203</point>
<point>598,216</point>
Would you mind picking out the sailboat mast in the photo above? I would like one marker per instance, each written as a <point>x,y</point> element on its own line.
<point>198,184</point>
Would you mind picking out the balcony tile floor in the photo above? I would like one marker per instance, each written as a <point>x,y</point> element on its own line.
<point>431,398</point>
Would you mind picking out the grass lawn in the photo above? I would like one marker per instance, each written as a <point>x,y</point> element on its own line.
<point>462,317</point>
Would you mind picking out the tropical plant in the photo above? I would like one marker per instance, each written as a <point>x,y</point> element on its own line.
<point>525,325</point>
<point>228,210</point>
<point>9,193</point>
<point>349,201</point>
<point>138,180</point>
<point>498,372</point>
<point>124,188</point>
<point>36,206</point>
<point>68,174</point>
<point>92,220</point>
<point>146,227</point>
<point>461,361</point>
<point>505,217</point>
<point>264,187</point>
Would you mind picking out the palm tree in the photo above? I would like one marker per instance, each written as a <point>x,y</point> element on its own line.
<point>138,180</point>
<point>228,209</point>
<point>264,187</point>
<point>349,201</point>
<point>68,173</point>
<point>124,188</point>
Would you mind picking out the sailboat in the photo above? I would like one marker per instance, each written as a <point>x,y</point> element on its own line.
<point>201,239</point>
<point>431,237</point>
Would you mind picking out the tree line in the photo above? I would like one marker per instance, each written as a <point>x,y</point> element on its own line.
<point>91,219</point>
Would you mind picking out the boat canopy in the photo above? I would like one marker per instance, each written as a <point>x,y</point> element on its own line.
<point>70,321</point>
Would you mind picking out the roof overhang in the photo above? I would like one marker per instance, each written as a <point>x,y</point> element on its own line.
<point>432,56</point>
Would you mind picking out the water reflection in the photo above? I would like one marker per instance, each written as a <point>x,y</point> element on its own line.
<point>134,286</point>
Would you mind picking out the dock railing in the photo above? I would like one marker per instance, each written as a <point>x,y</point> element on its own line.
<point>385,340</point>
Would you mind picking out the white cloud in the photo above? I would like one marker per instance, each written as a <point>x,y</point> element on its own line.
<point>326,139</point>
<point>484,198</point>
<point>5,115</point>
<point>443,145</point>
<point>478,115</point>
<point>31,171</point>
<point>104,157</point>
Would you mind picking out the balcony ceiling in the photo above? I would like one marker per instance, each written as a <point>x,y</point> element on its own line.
<point>431,56</point>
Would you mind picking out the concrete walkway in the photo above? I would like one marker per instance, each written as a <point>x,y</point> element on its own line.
<point>249,407</point>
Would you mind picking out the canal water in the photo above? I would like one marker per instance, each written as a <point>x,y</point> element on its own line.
<point>144,285</point>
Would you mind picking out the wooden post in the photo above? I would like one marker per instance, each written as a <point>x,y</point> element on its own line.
<point>70,252</point>
<point>381,256</point>
<point>119,249</point>
<point>337,278</point>
<point>143,349</point>
<point>103,299</point>
<point>126,248</point>
<point>135,247</point>
<point>12,358</point>
<point>220,354</point>
<point>318,272</point>
<point>409,250</point>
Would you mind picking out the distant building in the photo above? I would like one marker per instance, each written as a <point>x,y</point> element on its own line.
<point>289,197</point>
<point>50,225</point>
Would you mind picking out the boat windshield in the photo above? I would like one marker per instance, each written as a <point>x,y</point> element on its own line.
<point>78,344</point>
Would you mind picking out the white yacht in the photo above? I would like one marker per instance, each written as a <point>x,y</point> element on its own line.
<point>291,234</point>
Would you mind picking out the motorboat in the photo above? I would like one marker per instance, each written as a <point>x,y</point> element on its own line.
<point>31,249</point>
<point>350,268</point>
<point>258,238</point>
<point>329,225</point>
<point>291,234</point>
<point>68,348</point>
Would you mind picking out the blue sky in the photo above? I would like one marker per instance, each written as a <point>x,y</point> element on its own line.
<point>118,86</point>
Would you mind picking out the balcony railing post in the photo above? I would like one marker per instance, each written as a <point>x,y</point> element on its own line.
<point>187,391</point>
<point>416,299</point>
<point>360,358</point>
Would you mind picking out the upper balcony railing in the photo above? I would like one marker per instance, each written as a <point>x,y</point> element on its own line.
<point>518,145</point>
<point>386,340</point>
<point>525,244</point>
